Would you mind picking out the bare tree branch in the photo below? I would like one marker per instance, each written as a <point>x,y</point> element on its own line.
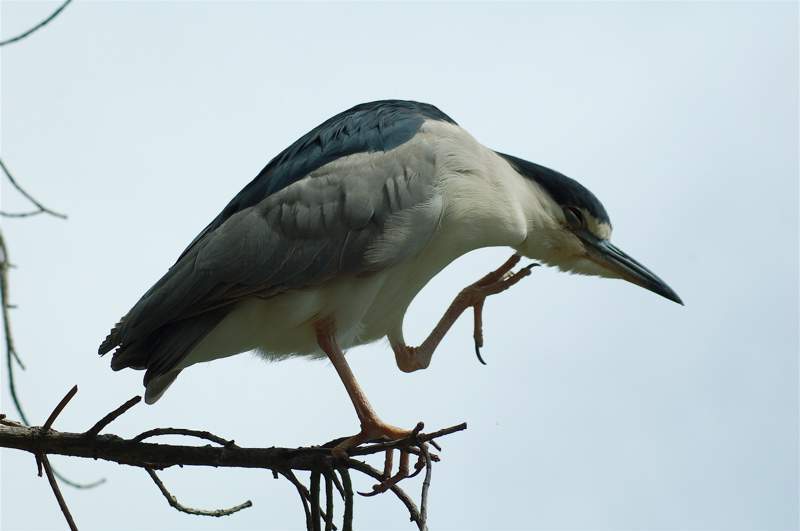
<point>173,501</point>
<point>41,209</point>
<point>111,417</point>
<point>44,441</point>
<point>329,501</point>
<point>59,497</point>
<point>316,509</point>
<point>11,350</point>
<point>183,431</point>
<point>38,26</point>
<point>5,305</point>
<point>401,495</point>
<point>426,485</point>
<point>347,484</point>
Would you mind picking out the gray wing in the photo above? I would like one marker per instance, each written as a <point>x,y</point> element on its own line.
<point>356,215</point>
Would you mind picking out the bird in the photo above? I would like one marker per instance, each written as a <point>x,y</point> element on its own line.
<point>328,245</point>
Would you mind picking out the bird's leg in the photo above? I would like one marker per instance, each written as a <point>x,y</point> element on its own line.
<point>372,427</point>
<point>473,296</point>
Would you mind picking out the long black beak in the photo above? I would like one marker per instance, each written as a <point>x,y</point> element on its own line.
<point>610,257</point>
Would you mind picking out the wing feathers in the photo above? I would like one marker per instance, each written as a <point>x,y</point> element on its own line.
<point>356,215</point>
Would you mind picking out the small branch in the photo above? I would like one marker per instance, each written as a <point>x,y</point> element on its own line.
<point>347,484</point>
<point>188,510</point>
<point>38,26</point>
<point>41,208</point>
<point>111,417</point>
<point>28,214</point>
<point>314,501</point>
<point>11,350</point>
<point>182,431</point>
<point>329,501</point>
<point>75,485</point>
<point>54,485</point>
<point>400,493</point>
<point>301,491</point>
<point>59,408</point>
<point>426,485</point>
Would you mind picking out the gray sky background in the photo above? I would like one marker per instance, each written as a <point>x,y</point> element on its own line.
<point>603,407</point>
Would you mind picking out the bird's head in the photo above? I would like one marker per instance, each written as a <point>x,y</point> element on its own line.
<point>573,232</point>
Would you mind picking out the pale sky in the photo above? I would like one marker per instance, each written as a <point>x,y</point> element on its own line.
<point>603,406</point>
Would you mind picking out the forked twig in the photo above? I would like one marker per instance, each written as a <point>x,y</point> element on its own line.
<point>40,208</point>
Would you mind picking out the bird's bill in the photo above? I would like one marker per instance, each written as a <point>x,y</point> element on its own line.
<point>610,257</point>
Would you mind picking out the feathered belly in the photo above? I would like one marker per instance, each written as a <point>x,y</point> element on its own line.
<point>283,325</point>
<point>364,309</point>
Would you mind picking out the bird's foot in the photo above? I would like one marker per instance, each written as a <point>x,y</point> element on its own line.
<point>373,430</point>
<point>495,282</point>
<point>389,480</point>
<point>403,471</point>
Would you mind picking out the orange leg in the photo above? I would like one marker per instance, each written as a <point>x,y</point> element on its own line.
<point>410,359</point>
<point>372,427</point>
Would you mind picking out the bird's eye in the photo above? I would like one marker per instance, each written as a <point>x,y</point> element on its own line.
<point>574,218</point>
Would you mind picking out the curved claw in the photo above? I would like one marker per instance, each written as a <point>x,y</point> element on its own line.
<point>477,333</point>
<point>509,281</point>
<point>478,353</point>
<point>377,489</point>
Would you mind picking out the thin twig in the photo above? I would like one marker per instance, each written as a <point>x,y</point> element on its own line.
<point>111,417</point>
<point>173,501</point>
<point>400,493</point>
<point>337,484</point>
<point>11,351</point>
<point>426,485</point>
<point>200,434</point>
<point>54,485</point>
<point>75,485</point>
<point>313,500</point>
<point>59,408</point>
<point>28,214</point>
<point>25,193</point>
<point>38,26</point>
<point>288,474</point>
<point>329,501</point>
<point>347,484</point>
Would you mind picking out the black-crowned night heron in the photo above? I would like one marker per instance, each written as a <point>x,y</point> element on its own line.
<point>326,248</point>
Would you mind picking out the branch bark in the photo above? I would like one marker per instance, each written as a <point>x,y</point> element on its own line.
<point>318,460</point>
<point>158,456</point>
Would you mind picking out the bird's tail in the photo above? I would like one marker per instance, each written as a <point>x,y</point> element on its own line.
<point>156,387</point>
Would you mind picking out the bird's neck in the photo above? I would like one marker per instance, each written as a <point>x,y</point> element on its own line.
<point>496,206</point>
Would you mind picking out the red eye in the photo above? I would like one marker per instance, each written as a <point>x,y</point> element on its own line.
<point>574,217</point>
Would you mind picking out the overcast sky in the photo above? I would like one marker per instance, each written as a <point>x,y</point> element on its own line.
<point>603,406</point>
